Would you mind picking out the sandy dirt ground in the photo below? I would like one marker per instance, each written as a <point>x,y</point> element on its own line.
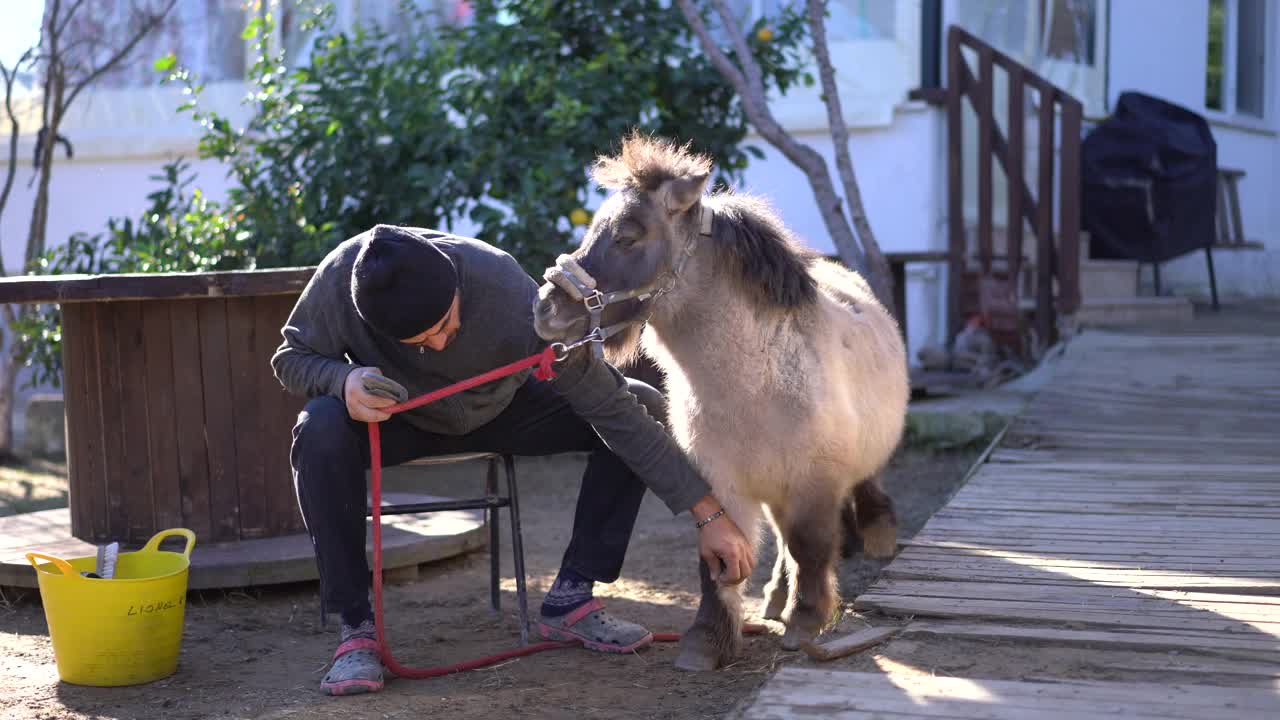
<point>260,653</point>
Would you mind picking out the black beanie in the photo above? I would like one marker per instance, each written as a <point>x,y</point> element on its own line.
<point>401,283</point>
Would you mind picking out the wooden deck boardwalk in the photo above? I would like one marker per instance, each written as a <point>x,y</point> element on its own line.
<point>1134,504</point>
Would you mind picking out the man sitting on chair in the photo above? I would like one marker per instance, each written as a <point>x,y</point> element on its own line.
<point>402,311</point>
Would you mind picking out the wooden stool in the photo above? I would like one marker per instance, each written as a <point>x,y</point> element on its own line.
<point>491,502</point>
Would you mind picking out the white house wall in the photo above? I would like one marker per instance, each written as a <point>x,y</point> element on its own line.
<point>1159,48</point>
<point>898,168</point>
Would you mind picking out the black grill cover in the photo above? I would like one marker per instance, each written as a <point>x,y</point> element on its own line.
<point>1149,175</point>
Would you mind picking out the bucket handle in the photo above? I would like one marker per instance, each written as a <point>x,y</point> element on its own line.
<point>61,564</point>
<point>153,545</point>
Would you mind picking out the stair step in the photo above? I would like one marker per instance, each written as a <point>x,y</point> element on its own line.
<point>1102,312</point>
<point>1108,279</point>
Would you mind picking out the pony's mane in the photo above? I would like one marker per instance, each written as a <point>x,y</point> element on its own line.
<point>772,265</point>
<point>646,162</point>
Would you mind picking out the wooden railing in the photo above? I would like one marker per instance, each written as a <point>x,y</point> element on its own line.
<point>1057,256</point>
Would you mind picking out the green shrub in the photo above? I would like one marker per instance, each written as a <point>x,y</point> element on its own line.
<point>497,121</point>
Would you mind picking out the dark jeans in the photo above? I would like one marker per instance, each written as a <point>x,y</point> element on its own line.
<point>330,456</point>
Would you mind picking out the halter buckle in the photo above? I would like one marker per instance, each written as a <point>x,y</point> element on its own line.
<point>594,302</point>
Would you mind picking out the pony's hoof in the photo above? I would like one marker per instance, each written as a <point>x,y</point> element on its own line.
<point>697,652</point>
<point>773,605</point>
<point>692,661</point>
<point>880,541</point>
<point>795,637</point>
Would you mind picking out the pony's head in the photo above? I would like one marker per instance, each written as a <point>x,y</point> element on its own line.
<point>646,232</point>
<point>635,239</point>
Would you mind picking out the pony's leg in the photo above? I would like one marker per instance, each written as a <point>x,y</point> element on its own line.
<point>715,638</point>
<point>852,542</point>
<point>777,591</point>
<point>876,521</point>
<point>812,534</point>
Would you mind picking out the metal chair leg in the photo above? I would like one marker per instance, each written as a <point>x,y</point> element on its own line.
<point>517,550</point>
<point>1213,280</point>
<point>495,558</point>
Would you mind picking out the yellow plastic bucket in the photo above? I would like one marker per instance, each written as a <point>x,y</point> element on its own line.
<point>123,631</point>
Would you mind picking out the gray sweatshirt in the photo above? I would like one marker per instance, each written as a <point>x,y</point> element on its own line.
<point>325,339</point>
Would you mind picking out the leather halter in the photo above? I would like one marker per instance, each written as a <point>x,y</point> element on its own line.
<point>571,277</point>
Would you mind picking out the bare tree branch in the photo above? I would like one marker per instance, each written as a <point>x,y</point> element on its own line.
<point>66,20</point>
<point>149,23</point>
<point>739,42</point>
<point>880,278</point>
<point>756,106</point>
<point>11,168</point>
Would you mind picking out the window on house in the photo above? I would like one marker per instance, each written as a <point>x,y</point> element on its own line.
<point>1063,41</point>
<point>1068,28</point>
<point>1235,72</point>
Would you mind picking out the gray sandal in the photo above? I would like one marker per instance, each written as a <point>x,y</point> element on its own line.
<point>591,625</point>
<point>357,668</point>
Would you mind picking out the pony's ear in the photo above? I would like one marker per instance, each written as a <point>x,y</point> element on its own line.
<point>680,194</point>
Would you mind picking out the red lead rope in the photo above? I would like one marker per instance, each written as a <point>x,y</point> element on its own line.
<point>543,361</point>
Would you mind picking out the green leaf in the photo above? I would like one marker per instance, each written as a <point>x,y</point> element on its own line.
<point>166,63</point>
<point>333,127</point>
<point>251,30</point>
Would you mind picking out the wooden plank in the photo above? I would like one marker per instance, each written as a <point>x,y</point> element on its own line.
<point>87,494</point>
<point>1044,219</point>
<point>1068,259</point>
<point>160,391</point>
<point>961,531</point>
<point>1161,547</point>
<point>1135,565</point>
<point>220,432</point>
<point>982,97</point>
<point>1253,648</point>
<point>152,286</point>
<point>1088,595</point>
<point>1014,169</point>
<point>1056,612</point>
<point>1103,524</point>
<point>139,499</point>
<point>1123,577</point>
<point>245,358</point>
<point>804,693</point>
<point>113,423</point>
<point>1020,463</point>
<point>1255,557</point>
<point>1130,510</point>
<point>848,644</point>
<point>278,416</point>
<point>189,413</point>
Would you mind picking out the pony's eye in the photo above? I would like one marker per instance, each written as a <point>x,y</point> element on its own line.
<point>626,241</point>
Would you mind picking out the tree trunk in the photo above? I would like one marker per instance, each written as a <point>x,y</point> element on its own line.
<point>879,277</point>
<point>37,235</point>
<point>8,396</point>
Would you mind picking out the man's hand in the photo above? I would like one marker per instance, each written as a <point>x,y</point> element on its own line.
<point>362,405</point>
<point>727,552</point>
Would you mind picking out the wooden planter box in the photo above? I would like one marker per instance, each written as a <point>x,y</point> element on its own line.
<point>174,417</point>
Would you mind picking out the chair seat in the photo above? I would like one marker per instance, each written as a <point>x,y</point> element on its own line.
<point>455,458</point>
